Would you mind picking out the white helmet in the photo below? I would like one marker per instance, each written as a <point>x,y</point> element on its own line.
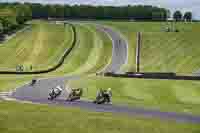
<point>109,89</point>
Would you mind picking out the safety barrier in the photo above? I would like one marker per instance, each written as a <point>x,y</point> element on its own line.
<point>164,76</point>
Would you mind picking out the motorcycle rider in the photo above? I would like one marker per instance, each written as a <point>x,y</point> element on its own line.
<point>100,92</point>
<point>108,95</point>
<point>33,82</point>
<point>105,94</point>
<point>74,94</point>
<point>57,90</point>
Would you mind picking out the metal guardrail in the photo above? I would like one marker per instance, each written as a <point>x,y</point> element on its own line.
<point>154,75</point>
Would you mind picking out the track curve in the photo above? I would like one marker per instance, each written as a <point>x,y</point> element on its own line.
<point>42,88</point>
<point>119,52</point>
<point>179,117</point>
<point>39,94</point>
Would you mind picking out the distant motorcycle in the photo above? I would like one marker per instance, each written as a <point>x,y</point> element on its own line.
<point>55,92</point>
<point>33,82</point>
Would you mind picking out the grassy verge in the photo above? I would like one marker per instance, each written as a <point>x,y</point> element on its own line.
<point>40,46</point>
<point>11,82</point>
<point>81,60</point>
<point>157,44</point>
<point>170,52</point>
<point>80,53</point>
<point>25,118</point>
<point>91,53</point>
<point>165,95</point>
<point>102,51</point>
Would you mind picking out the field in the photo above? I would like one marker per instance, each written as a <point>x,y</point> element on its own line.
<point>165,95</point>
<point>161,52</point>
<point>26,118</point>
<point>92,52</point>
<point>36,45</point>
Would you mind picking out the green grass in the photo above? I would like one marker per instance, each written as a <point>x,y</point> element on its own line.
<point>166,52</point>
<point>88,56</point>
<point>8,83</point>
<point>92,52</point>
<point>26,118</point>
<point>102,53</point>
<point>170,52</point>
<point>165,95</point>
<point>81,51</point>
<point>44,43</point>
<point>40,46</point>
<point>161,51</point>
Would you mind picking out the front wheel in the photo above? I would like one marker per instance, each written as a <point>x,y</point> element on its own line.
<point>50,98</point>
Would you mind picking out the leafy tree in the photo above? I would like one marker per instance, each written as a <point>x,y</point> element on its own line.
<point>27,11</point>
<point>188,16</point>
<point>8,19</point>
<point>1,31</point>
<point>51,11</point>
<point>177,16</point>
<point>1,27</point>
<point>59,11</point>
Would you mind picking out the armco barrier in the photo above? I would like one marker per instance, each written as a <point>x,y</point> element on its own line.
<point>164,76</point>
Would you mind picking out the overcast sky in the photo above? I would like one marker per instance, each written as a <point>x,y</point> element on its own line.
<point>184,5</point>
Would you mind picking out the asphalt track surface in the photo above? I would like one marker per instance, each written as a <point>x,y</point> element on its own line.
<point>39,93</point>
<point>120,49</point>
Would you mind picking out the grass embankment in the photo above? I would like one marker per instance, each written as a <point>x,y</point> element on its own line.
<point>165,95</point>
<point>40,46</point>
<point>25,118</point>
<point>88,56</point>
<point>8,83</point>
<point>92,52</point>
<point>161,51</point>
<point>171,52</point>
<point>180,96</point>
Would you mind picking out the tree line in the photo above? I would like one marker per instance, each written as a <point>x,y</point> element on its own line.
<point>12,15</point>
<point>99,12</point>
<point>178,16</point>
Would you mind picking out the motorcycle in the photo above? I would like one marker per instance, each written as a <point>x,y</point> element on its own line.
<point>102,97</point>
<point>55,92</point>
<point>75,95</point>
<point>33,82</point>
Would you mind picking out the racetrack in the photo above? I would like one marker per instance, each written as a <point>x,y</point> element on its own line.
<point>180,117</point>
<point>42,88</point>
<point>39,92</point>
<point>120,50</point>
